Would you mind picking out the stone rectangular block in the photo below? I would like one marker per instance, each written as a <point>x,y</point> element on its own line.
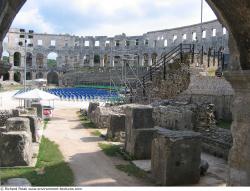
<point>33,126</point>
<point>18,124</point>
<point>92,107</point>
<point>15,149</point>
<point>138,116</point>
<point>176,157</point>
<point>139,142</point>
<point>117,125</point>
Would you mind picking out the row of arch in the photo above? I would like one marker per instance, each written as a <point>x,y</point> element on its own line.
<point>52,77</point>
<point>52,59</point>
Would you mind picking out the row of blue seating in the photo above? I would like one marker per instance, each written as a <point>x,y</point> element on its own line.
<point>84,94</point>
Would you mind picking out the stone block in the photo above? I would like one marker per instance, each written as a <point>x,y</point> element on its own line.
<point>139,142</point>
<point>176,157</point>
<point>17,182</point>
<point>15,149</point>
<point>138,116</point>
<point>4,115</point>
<point>33,126</point>
<point>100,117</point>
<point>92,107</point>
<point>15,113</point>
<point>18,124</point>
<point>117,125</point>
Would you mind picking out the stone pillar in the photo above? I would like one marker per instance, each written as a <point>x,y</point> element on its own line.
<point>33,75</point>
<point>102,61</point>
<point>11,75</point>
<point>149,60</point>
<point>91,61</point>
<point>60,79</point>
<point>141,61</point>
<point>33,61</point>
<point>112,61</point>
<point>23,61</point>
<point>139,130</point>
<point>1,48</point>
<point>11,60</point>
<point>239,156</point>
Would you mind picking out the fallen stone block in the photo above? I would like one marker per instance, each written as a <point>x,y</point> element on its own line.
<point>176,157</point>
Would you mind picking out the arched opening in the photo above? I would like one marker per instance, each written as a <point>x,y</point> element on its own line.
<point>6,76</point>
<point>52,60</point>
<point>154,58</point>
<point>86,60</point>
<point>239,26</point>
<point>29,60</point>
<point>28,76</point>
<point>39,75</point>
<point>39,60</point>
<point>97,60</point>
<point>6,57</point>
<point>117,61</point>
<point>17,77</point>
<point>17,59</point>
<point>52,78</point>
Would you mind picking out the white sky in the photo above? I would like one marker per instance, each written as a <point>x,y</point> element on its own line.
<point>109,17</point>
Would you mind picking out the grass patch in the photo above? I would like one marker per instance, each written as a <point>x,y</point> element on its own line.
<point>224,124</point>
<point>46,121</point>
<point>132,170</point>
<point>86,122</point>
<point>50,170</point>
<point>110,150</point>
<point>115,150</point>
<point>96,133</point>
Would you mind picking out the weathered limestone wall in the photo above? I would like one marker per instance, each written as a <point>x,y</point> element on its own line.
<point>183,116</point>
<point>176,80</point>
<point>214,90</point>
<point>175,117</point>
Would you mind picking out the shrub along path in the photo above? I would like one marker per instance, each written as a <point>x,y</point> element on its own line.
<point>91,167</point>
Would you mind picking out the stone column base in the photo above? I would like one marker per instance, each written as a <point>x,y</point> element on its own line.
<point>239,157</point>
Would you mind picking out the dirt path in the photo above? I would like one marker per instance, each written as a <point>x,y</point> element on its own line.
<point>90,165</point>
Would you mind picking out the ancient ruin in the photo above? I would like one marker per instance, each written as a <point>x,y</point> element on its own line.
<point>185,105</point>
